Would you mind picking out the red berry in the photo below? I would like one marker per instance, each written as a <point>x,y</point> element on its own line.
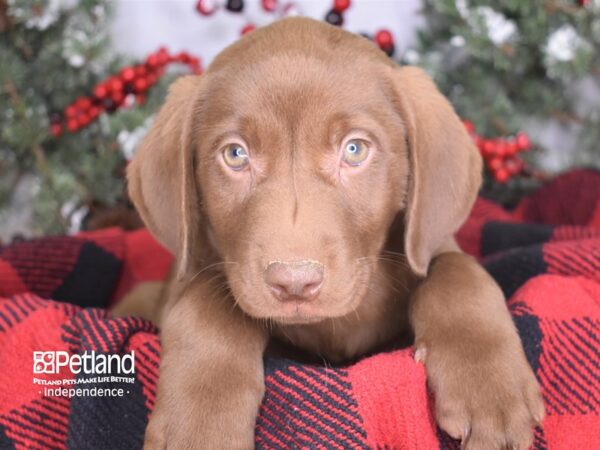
<point>115,84</point>
<point>140,85</point>
<point>247,29</point>
<point>495,164</point>
<point>84,120</point>
<point>269,5</point>
<point>511,148</point>
<point>152,79</point>
<point>117,97</point>
<point>341,5</point>
<point>140,71</point>
<point>384,39</point>
<point>469,126</point>
<point>194,62</point>
<point>100,91</point>
<point>128,74</point>
<point>56,129</point>
<point>489,148</point>
<point>206,7</point>
<point>514,166</point>
<point>72,125</point>
<point>500,148</point>
<point>94,112</point>
<point>83,103</point>
<point>502,176</point>
<point>163,56</point>
<point>183,57</point>
<point>71,111</point>
<point>152,61</point>
<point>523,142</point>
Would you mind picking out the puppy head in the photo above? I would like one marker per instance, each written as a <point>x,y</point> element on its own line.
<point>291,158</point>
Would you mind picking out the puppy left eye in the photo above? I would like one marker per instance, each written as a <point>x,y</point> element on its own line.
<point>236,156</point>
<point>355,151</point>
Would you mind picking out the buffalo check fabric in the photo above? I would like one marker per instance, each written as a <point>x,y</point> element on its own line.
<point>545,254</point>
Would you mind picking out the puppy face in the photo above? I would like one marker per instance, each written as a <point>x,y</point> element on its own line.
<point>287,162</point>
<point>302,167</point>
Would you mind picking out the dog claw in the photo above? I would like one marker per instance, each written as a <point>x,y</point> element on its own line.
<point>420,354</point>
<point>465,436</point>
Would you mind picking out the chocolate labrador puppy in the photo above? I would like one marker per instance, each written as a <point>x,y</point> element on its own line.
<point>310,188</point>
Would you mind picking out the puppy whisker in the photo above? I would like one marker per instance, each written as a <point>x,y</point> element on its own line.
<point>211,266</point>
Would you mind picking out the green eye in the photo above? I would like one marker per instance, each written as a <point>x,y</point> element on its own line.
<point>236,156</point>
<point>355,151</point>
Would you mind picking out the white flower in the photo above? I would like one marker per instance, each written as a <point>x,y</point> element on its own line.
<point>463,8</point>
<point>457,41</point>
<point>499,28</point>
<point>563,43</point>
<point>412,56</point>
<point>76,60</point>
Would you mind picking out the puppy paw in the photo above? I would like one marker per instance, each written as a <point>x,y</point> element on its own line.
<point>489,399</point>
<point>202,417</point>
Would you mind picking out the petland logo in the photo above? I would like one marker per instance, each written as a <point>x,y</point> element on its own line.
<point>87,363</point>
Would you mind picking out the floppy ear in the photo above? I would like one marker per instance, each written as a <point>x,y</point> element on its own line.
<point>161,175</point>
<point>445,167</point>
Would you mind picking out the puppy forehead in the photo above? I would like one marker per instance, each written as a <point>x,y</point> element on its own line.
<point>295,89</point>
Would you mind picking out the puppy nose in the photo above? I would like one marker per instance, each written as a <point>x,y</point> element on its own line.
<point>299,280</point>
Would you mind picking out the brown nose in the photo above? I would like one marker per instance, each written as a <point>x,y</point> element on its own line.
<point>299,280</point>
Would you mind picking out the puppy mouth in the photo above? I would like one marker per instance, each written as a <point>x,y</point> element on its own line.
<point>330,304</point>
<point>298,312</point>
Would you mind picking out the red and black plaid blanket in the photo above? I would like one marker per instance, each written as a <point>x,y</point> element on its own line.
<point>545,254</point>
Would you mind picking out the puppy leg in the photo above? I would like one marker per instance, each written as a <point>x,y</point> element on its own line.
<point>211,374</point>
<point>485,392</point>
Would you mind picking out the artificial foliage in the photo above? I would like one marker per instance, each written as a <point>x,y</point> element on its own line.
<point>509,64</point>
<point>72,111</point>
<point>52,52</point>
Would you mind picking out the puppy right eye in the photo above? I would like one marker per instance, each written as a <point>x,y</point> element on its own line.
<point>355,152</point>
<point>235,156</point>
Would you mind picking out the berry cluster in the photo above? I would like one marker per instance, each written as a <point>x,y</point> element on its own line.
<point>501,155</point>
<point>383,38</point>
<point>335,16</point>
<point>209,7</point>
<point>129,85</point>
